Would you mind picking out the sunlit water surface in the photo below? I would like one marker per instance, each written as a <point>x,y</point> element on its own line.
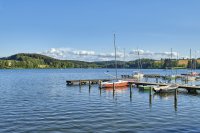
<point>40,101</point>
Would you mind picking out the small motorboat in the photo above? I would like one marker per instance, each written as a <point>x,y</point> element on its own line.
<point>165,89</point>
<point>117,83</point>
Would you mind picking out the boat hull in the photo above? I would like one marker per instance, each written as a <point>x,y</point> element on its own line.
<point>116,84</point>
<point>165,89</point>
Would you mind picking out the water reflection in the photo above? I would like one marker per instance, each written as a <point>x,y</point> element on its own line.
<point>163,96</point>
<point>118,90</point>
<point>168,96</point>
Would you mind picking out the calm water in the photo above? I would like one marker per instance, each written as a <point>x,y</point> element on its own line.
<point>39,101</point>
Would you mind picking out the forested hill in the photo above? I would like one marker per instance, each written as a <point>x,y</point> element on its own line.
<point>40,61</point>
<point>25,60</point>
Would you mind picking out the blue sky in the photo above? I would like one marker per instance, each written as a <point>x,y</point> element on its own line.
<point>85,27</point>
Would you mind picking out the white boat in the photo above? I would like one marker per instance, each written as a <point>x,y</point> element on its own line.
<point>138,75</point>
<point>165,89</point>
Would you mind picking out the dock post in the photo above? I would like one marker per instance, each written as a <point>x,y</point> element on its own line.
<point>80,82</point>
<point>150,91</point>
<point>100,91</point>
<point>100,84</point>
<point>89,86</point>
<point>113,89</point>
<point>146,79</point>
<point>113,86</point>
<point>79,88</point>
<point>175,98</point>
<point>156,80</point>
<point>89,83</point>
<point>130,85</point>
<point>130,93</point>
<point>150,96</point>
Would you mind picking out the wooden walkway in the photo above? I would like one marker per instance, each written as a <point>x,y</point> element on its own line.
<point>131,82</point>
<point>187,87</point>
<point>86,81</point>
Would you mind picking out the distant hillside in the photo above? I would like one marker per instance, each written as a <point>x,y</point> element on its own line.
<point>26,60</point>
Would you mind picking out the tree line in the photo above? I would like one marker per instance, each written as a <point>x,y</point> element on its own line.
<point>41,61</point>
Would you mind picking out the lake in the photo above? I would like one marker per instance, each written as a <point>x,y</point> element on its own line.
<point>40,101</point>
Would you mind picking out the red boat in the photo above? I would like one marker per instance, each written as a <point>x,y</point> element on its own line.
<point>117,83</point>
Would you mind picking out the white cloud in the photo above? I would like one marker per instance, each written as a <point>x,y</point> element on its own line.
<point>90,55</point>
<point>153,55</point>
<point>141,52</point>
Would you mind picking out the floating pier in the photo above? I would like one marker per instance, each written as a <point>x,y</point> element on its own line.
<point>187,87</point>
<point>86,81</point>
<point>137,83</point>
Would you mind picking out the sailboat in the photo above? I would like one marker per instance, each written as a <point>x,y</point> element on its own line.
<point>170,76</point>
<point>138,74</point>
<point>116,82</point>
<point>192,75</point>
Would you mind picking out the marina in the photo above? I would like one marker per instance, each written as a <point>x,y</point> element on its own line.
<point>104,66</point>
<point>138,84</point>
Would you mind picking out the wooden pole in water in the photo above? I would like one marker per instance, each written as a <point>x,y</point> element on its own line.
<point>130,91</point>
<point>100,91</point>
<point>130,85</point>
<point>113,86</point>
<point>89,83</point>
<point>150,91</point>
<point>175,99</point>
<point>156,80</point>
<point>150,96</point>
<point>100,84</point>
<point>146,79</point>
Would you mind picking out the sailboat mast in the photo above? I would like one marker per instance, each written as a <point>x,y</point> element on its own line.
<point>115,57</point>
<point>138,53</point>
<point>195,60</point>
<point>191,59</point>
<point>171,61</point>
<point>124,58</point>
<point>171,54</point>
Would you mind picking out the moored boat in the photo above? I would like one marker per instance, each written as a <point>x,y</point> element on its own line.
<point>165,89</point>
<point>115,83</point>
<point>138,75</point>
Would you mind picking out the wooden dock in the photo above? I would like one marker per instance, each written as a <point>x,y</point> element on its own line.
<point>187,87</point>
<point>137,83</point>
<point>86,81</point>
